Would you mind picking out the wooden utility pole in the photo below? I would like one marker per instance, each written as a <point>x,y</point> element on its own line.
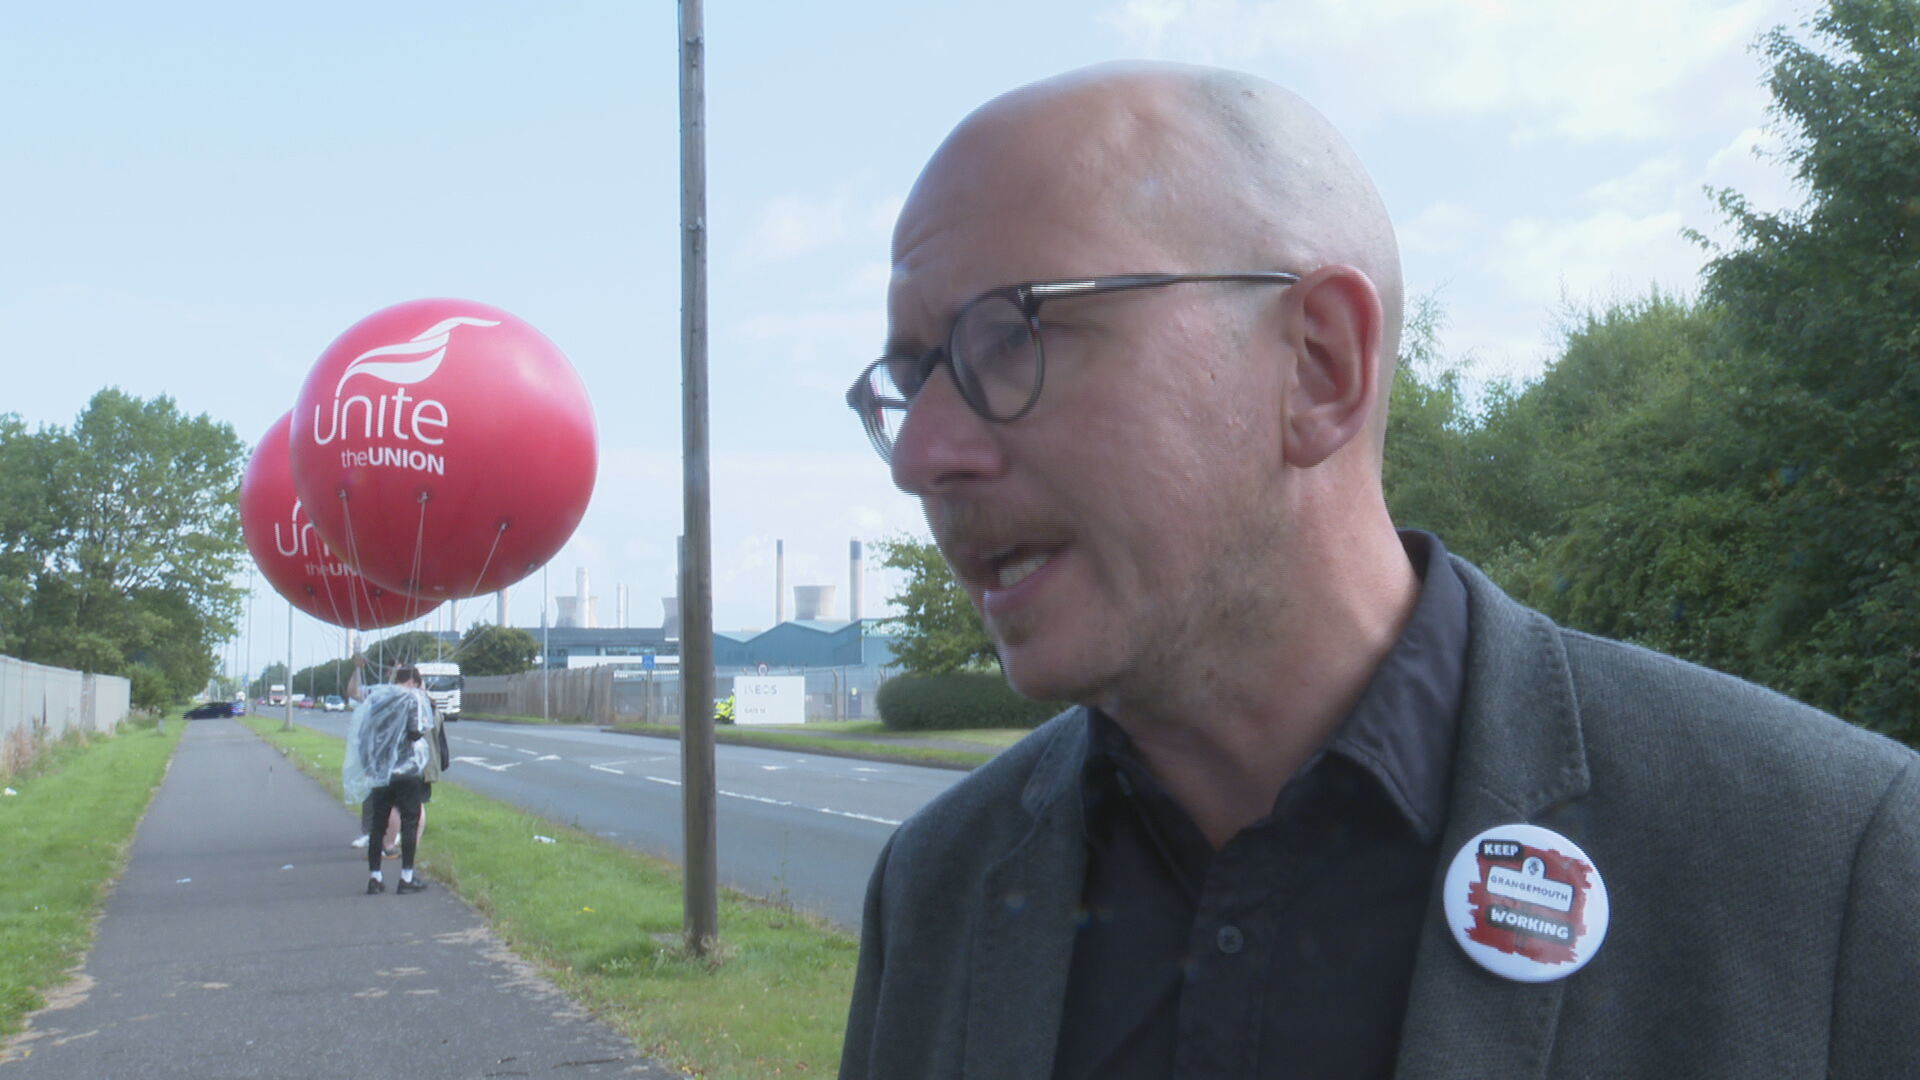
<point>701,919</point>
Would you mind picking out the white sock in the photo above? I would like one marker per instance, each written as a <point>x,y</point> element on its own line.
<point>406,876</point>
<point>374,874</point>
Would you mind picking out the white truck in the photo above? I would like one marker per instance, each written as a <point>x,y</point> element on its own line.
<point>442,682</point>
<point>277,694</point>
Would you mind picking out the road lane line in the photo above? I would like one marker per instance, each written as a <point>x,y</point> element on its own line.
<point>661,780</point>
<point>756,798</point>
<point>858,817</point>
<point>608,768</point>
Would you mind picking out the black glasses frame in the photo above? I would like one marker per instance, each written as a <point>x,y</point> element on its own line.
<point>1028,296</point>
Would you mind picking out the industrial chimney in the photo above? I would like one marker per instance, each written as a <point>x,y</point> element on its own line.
<point>500,607</point>
<point>779,582</point>
<point>583,600</point>
<point>854,569</point>
<point>812,602</point>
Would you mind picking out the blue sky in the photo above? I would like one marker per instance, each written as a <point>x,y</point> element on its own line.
<point>195,198</point>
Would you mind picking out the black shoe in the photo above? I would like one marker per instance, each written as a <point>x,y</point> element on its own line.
<point>375,886</point>
<point>405,886</point>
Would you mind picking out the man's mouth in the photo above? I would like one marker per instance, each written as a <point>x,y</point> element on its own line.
<point>991,553</point>
<point>1002,566</point>
<point>1014,567</point>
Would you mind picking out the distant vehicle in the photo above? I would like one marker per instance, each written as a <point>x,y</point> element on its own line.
<point>239,707</point>
<point>304,701</point>
<point>213,710</point>
<point>443,683</point>
<point>277,694</point>
<point>333,703</point>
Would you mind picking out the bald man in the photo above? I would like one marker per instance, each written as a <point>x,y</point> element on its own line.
<point>1331,804</point>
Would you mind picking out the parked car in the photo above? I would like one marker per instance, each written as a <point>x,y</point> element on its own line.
<point>212,710</point>
<point>333,703</point>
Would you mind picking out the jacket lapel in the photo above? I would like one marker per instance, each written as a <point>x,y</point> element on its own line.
<point>1022,947</point>
<point>1520,756</point>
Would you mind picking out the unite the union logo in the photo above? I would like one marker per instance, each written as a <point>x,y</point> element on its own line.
<point>423,420</point>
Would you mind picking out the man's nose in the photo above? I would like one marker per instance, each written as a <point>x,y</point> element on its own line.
<point>943,441</point>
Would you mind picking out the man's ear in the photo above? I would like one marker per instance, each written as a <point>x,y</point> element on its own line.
<point>1336,374</point>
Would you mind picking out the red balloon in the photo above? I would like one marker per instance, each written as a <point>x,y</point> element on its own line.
<point>445,448</point>
<point>295,561</point>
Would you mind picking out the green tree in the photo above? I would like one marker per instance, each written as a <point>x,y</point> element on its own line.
<point>275,674</point>
<point>120,539</point>
<point>1821,303</point>
<point>319,680</point>
<point>408,647</point>
<point>487,649</point>
<point>1642,497</point>
<point>1430,470</point>
<point>938,631</point>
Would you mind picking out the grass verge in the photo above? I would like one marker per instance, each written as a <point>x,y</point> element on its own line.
<point>605,924</point>
<point>66,833</point>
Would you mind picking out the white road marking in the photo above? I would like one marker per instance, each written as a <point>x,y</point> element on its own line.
<point>773,768</point>
<point>548,757</point>
<point>529,753</point>
<point>859,817</point>
<point>482,762</point>
<point>864,768</point>
<point>608,768</point>
<point>756,798</point>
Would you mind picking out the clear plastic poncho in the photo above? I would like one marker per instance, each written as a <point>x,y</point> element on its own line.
<point>377,742</point>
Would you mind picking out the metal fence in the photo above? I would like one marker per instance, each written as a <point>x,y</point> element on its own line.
<point>610,695</point>
<point>52,701</point>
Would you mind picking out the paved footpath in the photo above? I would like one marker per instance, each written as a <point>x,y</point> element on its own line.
<point>240,942</point>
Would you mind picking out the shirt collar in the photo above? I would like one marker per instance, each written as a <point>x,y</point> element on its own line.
<point>1402,730</point>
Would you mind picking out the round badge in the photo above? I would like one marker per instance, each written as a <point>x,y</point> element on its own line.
<point>1526,903</point>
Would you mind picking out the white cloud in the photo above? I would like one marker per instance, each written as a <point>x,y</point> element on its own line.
<point>1442,228</point>
<point>814,500</point>
<point>1599,256</point>
<point>1564,68</point>
<point>813,325</point>
<point>1655,181</point>
<point>791,226</point>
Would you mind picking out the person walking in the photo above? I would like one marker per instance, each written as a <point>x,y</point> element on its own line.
<point>390,745</point>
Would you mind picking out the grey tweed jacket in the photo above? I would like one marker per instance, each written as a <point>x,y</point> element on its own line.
<point>1762,861</point>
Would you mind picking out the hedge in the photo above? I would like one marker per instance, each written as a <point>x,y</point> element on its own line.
<point>964,699</point>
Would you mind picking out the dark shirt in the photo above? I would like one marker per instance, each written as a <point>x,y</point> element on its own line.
<point>1288,952</point>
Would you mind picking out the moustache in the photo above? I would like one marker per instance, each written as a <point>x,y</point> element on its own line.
<point>962,523</point>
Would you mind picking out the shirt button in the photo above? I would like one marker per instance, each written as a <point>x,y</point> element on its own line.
<point>1230,940</point>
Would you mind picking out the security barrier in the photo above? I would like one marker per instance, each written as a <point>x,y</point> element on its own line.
<point>53,701</point>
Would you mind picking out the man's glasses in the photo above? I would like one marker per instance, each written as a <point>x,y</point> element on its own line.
<point>994,351</point>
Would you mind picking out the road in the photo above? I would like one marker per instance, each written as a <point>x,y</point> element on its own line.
<point>799,827</point>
